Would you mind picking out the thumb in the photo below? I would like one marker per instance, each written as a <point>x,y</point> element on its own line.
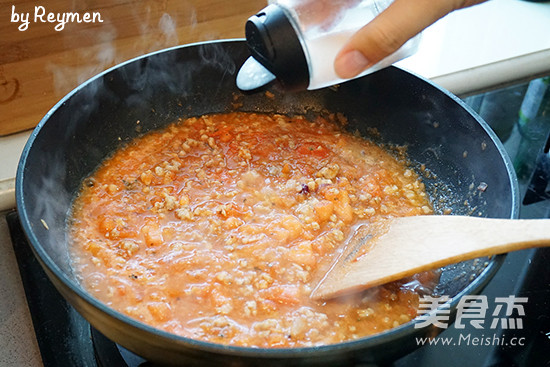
<point>401,21</point>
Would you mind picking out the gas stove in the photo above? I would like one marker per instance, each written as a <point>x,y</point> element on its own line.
<point>66,339</point>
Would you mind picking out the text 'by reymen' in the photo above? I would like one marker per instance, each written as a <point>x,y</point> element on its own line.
<point>40,15</point>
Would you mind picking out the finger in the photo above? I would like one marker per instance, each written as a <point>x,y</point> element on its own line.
<point>401,21</point>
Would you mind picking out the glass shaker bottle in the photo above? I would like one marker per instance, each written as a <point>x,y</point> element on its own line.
<point>296,42</point>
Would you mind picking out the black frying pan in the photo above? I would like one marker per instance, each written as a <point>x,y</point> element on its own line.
<point>469,171</point>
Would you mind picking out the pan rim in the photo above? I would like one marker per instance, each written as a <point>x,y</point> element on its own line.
<point>406,329</point>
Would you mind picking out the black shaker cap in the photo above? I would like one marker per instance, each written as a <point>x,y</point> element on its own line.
<point>273,42</point>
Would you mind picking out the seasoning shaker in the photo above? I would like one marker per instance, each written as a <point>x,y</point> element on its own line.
<point>296,42</point>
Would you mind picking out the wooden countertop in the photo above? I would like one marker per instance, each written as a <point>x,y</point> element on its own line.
<point>40,65</point>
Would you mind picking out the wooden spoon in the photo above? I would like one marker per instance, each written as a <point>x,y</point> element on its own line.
<point>404,246</point>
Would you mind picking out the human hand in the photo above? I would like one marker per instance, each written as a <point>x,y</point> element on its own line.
<point>401,21</point>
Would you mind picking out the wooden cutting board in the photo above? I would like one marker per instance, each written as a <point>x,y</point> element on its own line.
<point>40,65</point>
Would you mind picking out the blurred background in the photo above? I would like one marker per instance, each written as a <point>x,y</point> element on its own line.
<point>40,65</point>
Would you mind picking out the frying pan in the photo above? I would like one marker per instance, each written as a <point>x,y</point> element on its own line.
<point>468,171</point>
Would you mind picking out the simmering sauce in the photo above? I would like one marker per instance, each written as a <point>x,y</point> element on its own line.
<point>217,228</point>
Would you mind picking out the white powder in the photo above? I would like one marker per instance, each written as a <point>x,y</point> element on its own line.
<point>323,50</point>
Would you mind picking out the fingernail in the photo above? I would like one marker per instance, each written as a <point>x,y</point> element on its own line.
<point>350,64</point>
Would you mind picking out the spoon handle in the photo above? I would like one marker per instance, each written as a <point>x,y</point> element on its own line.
<point>409,245</point>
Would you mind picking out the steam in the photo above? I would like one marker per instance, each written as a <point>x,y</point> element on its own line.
<point>155,32</point>
<point>167,26</point>
<point>80,132</point>
<point>215,56</point>
<point>89,62</point>
<point>49,205</point>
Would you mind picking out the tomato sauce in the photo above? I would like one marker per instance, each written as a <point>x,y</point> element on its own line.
<point>218,227</point>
